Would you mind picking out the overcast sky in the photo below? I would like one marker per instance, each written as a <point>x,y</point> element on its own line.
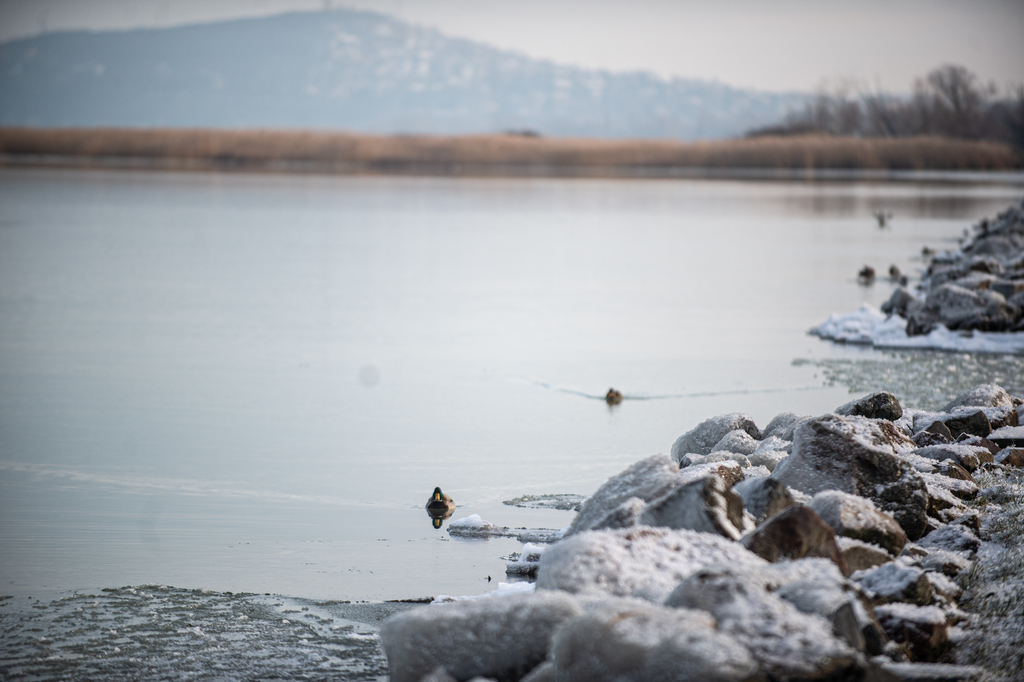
<point>764,44</point>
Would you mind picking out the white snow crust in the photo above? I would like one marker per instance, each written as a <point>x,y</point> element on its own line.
<point>870,327</point>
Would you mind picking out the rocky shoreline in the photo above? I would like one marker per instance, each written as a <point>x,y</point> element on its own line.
<point>979,287</point>
<point>968,299</point>
<point>870,543</point>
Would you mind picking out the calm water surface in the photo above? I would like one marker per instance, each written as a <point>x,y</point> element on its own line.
<point>253,383</point>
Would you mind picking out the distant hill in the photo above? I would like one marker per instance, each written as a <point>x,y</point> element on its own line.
<point>351,70</point>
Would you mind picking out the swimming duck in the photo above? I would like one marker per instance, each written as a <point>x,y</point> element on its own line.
<point>613,397</point>
<point>439,502</point>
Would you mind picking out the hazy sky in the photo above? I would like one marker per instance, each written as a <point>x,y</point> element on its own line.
<point>765,44</point>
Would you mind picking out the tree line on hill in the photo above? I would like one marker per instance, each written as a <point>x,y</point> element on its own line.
<point>950,101</point>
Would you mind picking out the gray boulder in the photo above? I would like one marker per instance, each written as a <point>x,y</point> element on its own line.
<point>857,455</point>
<point>935,560</point>
<point>901,302</point>
<point>896,581</point>
<point>510,636</point>
<point>763,497</point>
<point>636,562</point>
<point>768,459</point>
<point>717,456</point>
<point>880,405</point>
<point>626,515</point>
<point>959,308</point>
<point>727,469</point>
<point>983,395</point>
<point>706,505</point>
<point>967,456</point>
<point>738,441</point>
<point>857,517</point>
<point>625,640</point>
<point>952,538</point>
<point>786,642</point>
<point>841,606</point>
<point>647,479</point>
<point>781,423</point>
<point>704,436</point>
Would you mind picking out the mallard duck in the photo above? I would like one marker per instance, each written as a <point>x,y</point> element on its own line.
<point>613,397</point>
<point>439,502</point>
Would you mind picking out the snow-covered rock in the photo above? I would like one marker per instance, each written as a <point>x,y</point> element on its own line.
<point>882,405</point>
<point>922,628</point>
<point>785,642</point>
<point>896,581</point>
<point>769,459</point>
<point>498,638</point>
<point>763,497</point>
<point>622,640</point>
<point>781,423</point>
<point>647,479</point>
<point>967,456</point>
<point>857,517</point>
<point>861,556</point>
<point>858,456</point>
<point>794,533</point>
<point>952,538</point>
<point>706,504</point>
<point>868,326</point>
<point>983,395</point>
<point>738,441</point>
<point>637,562</point>
<point>704,436</point>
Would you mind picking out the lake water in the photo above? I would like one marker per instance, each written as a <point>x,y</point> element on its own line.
<point>252,383</point>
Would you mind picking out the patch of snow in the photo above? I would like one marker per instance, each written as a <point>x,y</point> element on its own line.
<point>503,590</point>
<point>870,327</point>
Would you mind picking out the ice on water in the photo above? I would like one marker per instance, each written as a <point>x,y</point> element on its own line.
<point>154,632</point>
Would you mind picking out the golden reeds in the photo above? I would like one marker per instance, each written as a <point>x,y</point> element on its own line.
<point>491,154</point>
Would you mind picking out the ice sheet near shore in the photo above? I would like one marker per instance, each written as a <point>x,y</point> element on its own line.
<point>870,327</point>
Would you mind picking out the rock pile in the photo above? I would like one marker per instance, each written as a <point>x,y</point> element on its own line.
<point>980,286</point>
<point>821,548</point>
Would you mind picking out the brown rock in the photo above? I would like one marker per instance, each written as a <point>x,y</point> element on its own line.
<point>794,533</point>
<point>860,556</point>
<point>922,628</point>
<point>1011,457</point>
<point>857,517</point>
<point>973,423</point>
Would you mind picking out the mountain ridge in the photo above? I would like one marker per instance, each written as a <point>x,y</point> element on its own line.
<point>351,70</point>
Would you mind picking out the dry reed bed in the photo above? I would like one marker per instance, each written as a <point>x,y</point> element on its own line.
<point>464,154</point>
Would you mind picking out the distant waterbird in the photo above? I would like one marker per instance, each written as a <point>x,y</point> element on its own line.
<point>439,502</point>
<point>613,397</point>
<point>883,218</point>
<point>439,507</point>
<point>866,275</point>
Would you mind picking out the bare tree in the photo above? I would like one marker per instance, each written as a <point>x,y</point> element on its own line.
<point>956,101</point>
